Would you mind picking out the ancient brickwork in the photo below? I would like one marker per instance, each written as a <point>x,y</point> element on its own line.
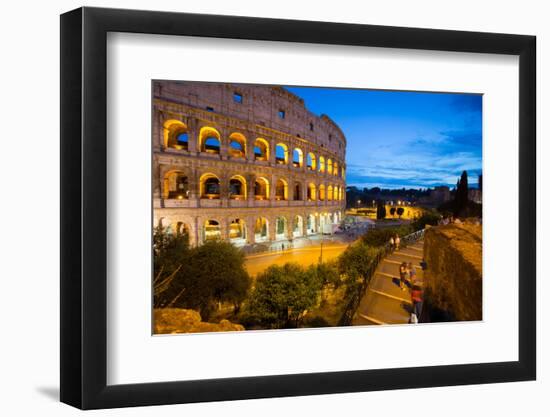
<point>245,163</point>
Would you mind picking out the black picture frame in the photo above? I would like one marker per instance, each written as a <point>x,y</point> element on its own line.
<point>84,207</point>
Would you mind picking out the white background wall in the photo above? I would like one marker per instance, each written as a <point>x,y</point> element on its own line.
<point>29,177</point>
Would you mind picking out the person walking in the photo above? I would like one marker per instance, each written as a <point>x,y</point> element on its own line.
<point>397,242</point>
<point>402,275</point>
<point>412,273</point>
<point>417,298</point>
<point>392,243</point>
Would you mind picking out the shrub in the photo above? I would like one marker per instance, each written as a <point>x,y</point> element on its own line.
<point>281,296</point>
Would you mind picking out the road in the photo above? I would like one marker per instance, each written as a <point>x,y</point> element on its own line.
<point>304,256</point>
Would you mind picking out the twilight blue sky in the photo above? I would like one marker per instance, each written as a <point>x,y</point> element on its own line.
<point>403,139</point>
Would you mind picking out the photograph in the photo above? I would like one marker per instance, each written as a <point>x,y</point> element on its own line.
<point>297,207</point>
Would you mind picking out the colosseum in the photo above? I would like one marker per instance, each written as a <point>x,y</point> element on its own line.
<point>244,163</point>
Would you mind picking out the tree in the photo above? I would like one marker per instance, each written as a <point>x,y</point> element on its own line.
<point>392,211</point>
<point>355,263</point>
<point>204,276</point>
<point>461,196</point>
<point>400,211</point>
<point>282,295</point>
<point>480,182</point>
<point>170,253</point>
<point>380,210</point>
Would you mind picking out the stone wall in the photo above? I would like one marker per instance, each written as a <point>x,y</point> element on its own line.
<point>178,320</point>
<point>453,279</point>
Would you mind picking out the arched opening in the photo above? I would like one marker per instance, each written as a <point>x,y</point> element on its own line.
<point>335,168</point>
<point>298,226</point>
<point>329,193</point>
<point>261,233</point>
<point>311,161</point>
<point>280,228</point>
<point>311,224</point>
<point>311,195</point>
<point>209,186</point>
<point>281,153</point>
<point>329,166</point>
<point>176,135</point>
<point>237,188</point>
<point>212,230</point>
<point>321,164</point>
<point>237,231</point>
<point>181,229</point>
<point>281,190</point>
<point>237,145</point>
<point>176,185</point>
<point>261,150</point>
<point>209,140</point>
<point>297,158</point>
<point>297,191</point>
<point>261,189</point>
<point>322,195</point>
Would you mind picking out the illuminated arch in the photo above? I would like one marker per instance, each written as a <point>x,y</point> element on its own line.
<point>329,166</point>
<point>280,228</point>
<point>261,229</point>
<point>237,145</point>
<point>298,191</point>
<point>310,226</point>
<point>209,186</point>
<point>322,195</point>
<point>237,231</point>
<point>261,150</point>
<point>209,140</point>
<point>329,193</point>
<point>261,188</point>
<point>311,161</point>
<point>176,135</point>
<point>298,226</point>
<point>335,168</point>
<point>321,164</point>
<point>281,190</point>
<point>311,192</point>
<point>237,188</point>
<point>281,153</point>
<point>175,185</point>
<point>212,230</point>
<point>298,158</point>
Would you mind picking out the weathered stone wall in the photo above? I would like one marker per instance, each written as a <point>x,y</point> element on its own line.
<point>178,320</point>
<point>453,280</point>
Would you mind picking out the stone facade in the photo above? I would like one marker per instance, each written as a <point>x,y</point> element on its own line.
<point>247,163</point>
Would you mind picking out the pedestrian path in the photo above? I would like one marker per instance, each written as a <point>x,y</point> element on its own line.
<point>384,302</point>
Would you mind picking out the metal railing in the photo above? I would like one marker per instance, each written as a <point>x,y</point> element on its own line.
<point>355,299</point>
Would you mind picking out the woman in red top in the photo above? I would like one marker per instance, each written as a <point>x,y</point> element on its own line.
<point>417,300</point>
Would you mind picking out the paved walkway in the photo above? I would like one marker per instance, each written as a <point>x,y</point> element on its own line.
<point>385,302</point>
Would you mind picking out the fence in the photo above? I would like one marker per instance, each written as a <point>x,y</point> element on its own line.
<point>355,299</point>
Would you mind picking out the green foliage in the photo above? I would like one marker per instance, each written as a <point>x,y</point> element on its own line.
<point>354,263</point>
<point>380,210</point>
<point>392,211</point>
<point>170,252</point>
<point>281,296</point>
<point>381,236</point>
<point>400,211</point>
<point>427,218</point>
<point>201,277</point>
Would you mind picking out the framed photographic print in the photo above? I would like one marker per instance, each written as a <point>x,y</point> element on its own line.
<point>257,208</point>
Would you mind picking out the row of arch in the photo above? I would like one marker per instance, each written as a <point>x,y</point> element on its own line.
<point>285,227</point>
<point>176,135</point>
<point>176,186</point>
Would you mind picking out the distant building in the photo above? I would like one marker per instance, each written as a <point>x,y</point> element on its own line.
<point>440,195</point>
<point>475,195</point>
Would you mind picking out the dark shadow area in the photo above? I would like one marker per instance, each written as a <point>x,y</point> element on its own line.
<point>49,392</point>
